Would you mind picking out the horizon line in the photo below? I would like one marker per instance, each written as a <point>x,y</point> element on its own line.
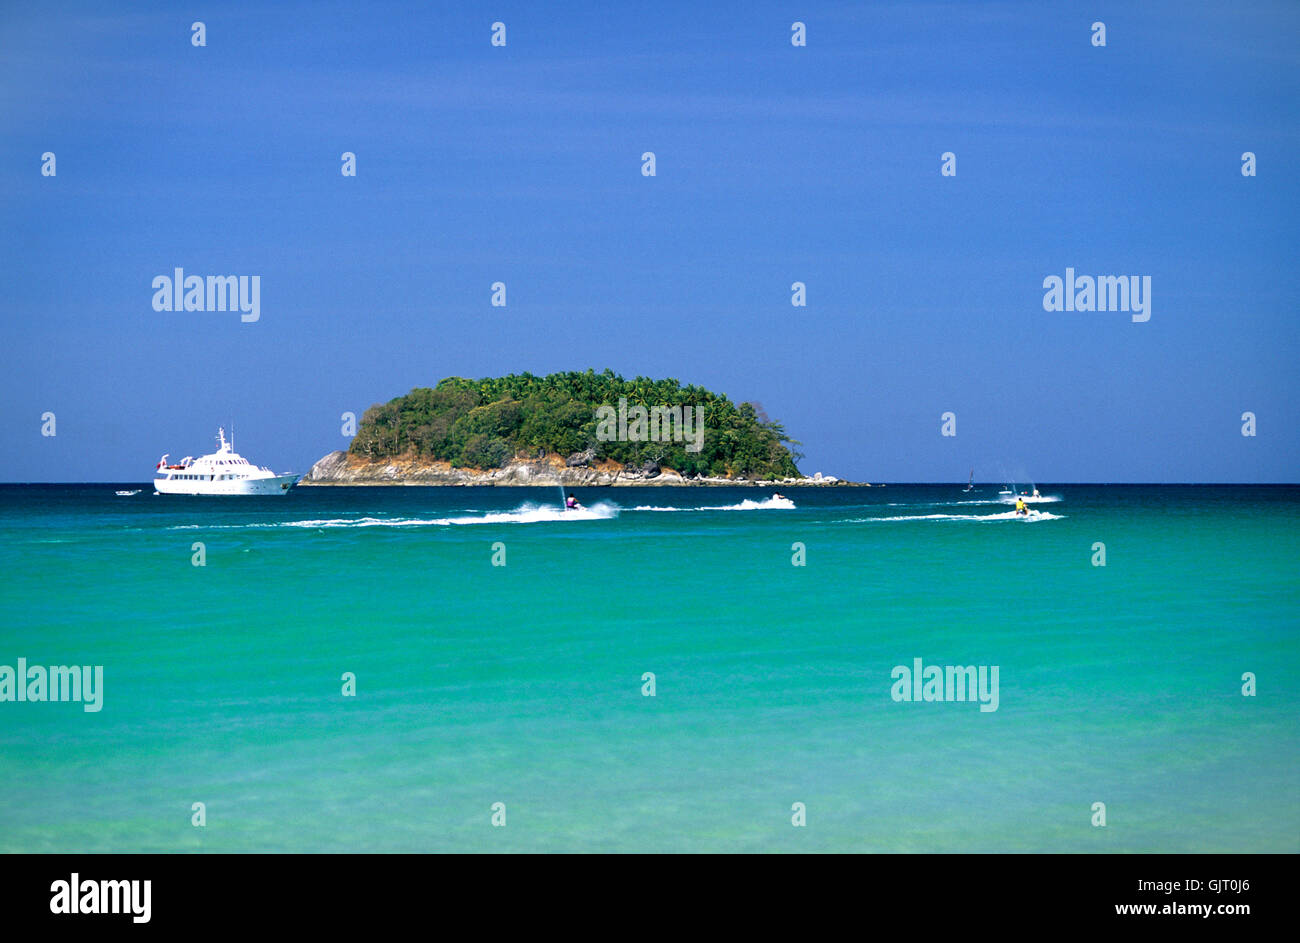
<point>747,483</point>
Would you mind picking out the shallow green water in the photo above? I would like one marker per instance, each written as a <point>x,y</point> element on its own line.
<point>522,683</point>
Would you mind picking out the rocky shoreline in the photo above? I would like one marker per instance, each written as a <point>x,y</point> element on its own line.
<point>577,471</point>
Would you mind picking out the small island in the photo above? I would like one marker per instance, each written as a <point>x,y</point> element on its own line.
<point>575,429</point>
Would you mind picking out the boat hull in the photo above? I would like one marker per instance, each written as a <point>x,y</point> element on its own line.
<point>279,484</point>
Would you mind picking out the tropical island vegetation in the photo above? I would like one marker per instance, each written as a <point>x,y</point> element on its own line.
<point>490,422</point>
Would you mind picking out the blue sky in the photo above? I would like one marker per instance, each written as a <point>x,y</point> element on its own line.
<point>775,164</point>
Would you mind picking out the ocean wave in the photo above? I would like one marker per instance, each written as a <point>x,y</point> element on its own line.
<point>767,504</point>
<point>524,514</point>
<point>1004,516</point>
<point>942,504</point>
<point>534,514</point>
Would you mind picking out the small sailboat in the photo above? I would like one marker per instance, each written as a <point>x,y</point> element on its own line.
<point>970,485</point>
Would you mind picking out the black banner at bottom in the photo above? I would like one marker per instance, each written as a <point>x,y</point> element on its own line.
<point>336,893</point>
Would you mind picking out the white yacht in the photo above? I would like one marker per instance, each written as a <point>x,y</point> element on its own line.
<point>222,472</point>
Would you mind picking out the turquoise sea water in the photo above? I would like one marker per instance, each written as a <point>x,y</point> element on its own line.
<point>522,683</point>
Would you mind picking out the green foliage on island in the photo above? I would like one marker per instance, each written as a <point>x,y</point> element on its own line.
<point>486,423</point>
